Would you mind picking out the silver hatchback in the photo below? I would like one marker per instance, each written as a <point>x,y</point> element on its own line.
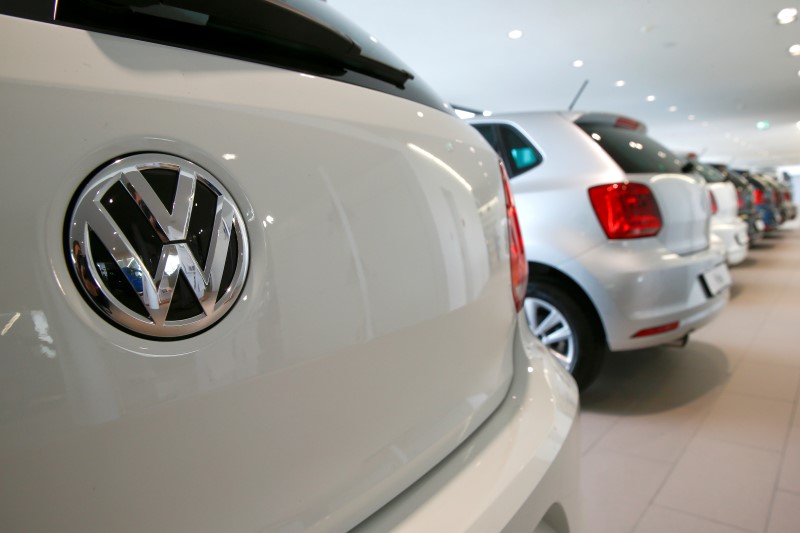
<point>616,235</point>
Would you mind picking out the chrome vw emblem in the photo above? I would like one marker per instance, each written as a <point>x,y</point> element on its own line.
<point>158,246</point>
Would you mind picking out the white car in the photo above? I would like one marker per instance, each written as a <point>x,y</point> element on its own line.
<point>725,221</point>
<point>258,278</point>
<point>616,236</point>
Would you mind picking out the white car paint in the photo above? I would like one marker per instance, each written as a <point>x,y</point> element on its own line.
<point>727,225</point>
<point>632,284</point>
<point>375,337</point>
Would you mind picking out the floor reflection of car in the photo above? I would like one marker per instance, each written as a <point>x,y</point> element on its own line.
<point>725,221</point>
<point>318,326</point>
<point>615,233</point>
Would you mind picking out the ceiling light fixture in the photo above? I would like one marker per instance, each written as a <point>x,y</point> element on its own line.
<point>577,63</point>
<point>762,124</point>
<point>795,49</point>
<point>487,113</point>
<point>692,117</point>
<point>651,98</point>
<point>620,83</point>
<point>787,15</point>
<point>515,34</point>
<point>672,108</point>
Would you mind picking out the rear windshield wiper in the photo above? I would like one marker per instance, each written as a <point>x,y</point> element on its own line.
<point>302,33</point>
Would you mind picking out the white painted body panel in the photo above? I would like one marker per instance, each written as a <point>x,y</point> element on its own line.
<point>726,223</point>
<point>374,334</point>
<point>531,439</point>
<point>634,284</point>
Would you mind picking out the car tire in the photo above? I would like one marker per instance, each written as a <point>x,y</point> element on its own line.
<point>556,319</point>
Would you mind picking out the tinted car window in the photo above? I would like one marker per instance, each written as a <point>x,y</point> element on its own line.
<point>518,154</point>
<point>304,35</point>
<point>633,150</point>
<point>523,155</point>
<point>710,174</point>
<point>488,132</point>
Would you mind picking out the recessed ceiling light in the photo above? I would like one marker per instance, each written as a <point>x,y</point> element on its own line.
<point>672,108</point>
<point>460,113</point>
<point>515,34</point>
<point>651,98</point>
<point>487,113</point>
<point>691,117</point>
<point>785,16</point>
<point>795,49</point>
<point>620,83</point>
<point>577,63</point>
<point>762,124</point>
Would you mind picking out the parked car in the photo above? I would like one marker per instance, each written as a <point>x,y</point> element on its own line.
<point>745,193</point>
<point>725,221</point>
<point>766,199</point>
<point>785,203</point>
<point>616,235</point>
<point>328,333</point>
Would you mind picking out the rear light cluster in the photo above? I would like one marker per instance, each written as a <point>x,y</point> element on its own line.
<point>758,196</point>
<point>519,264</point>
<point>714,206</point>
<point>739,199</point>
<point>626,210</point>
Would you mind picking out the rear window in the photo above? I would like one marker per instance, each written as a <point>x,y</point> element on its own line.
<point>634,151</point>
<point>302,35</point>
<point>710,174</point>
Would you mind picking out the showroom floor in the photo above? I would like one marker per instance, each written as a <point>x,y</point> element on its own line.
<point>706,438</point>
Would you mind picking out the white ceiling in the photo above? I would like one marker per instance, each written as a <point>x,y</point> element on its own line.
<point>725,62</point>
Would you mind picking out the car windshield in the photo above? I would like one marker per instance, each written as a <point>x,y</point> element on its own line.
<point>632,150</point>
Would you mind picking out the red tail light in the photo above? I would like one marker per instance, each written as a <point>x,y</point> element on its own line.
<point>714,206</point>
<point>758,197</point>
<point>739,199</point>
<point>787,196</point>
<point>626,210</point>
<point>519,264</point>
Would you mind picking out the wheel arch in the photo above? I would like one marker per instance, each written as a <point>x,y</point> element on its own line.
<point>547,274</point>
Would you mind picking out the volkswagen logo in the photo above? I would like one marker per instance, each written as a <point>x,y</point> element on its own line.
<point>157,245</point>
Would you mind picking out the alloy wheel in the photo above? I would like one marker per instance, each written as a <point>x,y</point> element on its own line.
<point>550,326</point>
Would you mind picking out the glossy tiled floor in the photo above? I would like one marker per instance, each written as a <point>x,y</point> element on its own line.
<point>706,438</point>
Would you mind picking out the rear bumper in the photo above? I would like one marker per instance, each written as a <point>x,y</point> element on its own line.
<point>638,285</point>
<point>735,239</point>
<point>518,471</point>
